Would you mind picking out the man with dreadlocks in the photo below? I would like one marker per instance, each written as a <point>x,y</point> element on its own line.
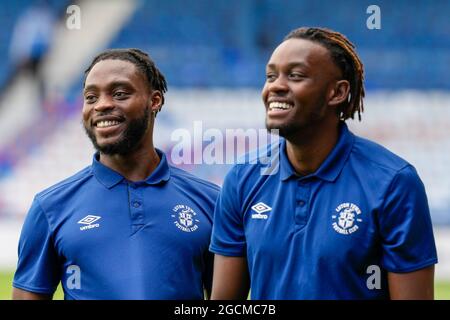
<point>342,218</point>
<point>129,226</point>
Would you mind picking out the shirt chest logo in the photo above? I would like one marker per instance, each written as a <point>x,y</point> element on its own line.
<point>88,222</point>
<point>184,218</point>
<point>346,219</point>
<point>260,208</point>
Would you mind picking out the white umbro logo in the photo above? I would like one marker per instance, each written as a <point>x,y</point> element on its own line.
<point>88,222</point>
<point>260,208</point>
<point>89,219</point>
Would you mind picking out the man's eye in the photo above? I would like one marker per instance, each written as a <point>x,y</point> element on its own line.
<point>90,98</point>
<point>296,75</point>
<point>120,94</point>
<point>271,76</point>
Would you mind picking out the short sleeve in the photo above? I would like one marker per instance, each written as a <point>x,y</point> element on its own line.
<point>228,235</point>
<point>405,225</point>
<point>37,268</point>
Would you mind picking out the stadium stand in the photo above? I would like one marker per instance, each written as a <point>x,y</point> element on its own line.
<point>226,43</point>
<point>9,14</point>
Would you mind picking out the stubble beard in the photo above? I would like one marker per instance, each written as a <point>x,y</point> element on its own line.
<point>129,140</point>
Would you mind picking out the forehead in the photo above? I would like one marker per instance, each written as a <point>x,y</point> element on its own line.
<point>301,51</point>
<point>109,71</point>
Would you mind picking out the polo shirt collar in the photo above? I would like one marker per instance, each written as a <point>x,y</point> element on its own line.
<point>162,171</point>
<point>109,178</point>
<point>333,164</point>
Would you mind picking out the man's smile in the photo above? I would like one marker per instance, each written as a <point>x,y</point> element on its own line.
<point>277,108</point>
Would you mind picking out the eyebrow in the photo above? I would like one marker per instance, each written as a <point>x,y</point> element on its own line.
<point>289,65</point>
<point>110,85</point>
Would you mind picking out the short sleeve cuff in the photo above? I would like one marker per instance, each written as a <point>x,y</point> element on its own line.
<point>238,251</point>
<point>48,291</point>
<point>411,268</point>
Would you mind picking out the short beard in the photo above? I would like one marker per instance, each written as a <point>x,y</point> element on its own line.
<point>130,140</point>
<point>284,131</point>
<point>293,129</point>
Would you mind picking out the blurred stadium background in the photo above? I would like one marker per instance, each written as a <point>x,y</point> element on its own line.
<point>213,53</point>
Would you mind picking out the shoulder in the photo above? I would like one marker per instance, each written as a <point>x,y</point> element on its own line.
<point>263,161</point>
<point>385,168</point>
<point>254,169</point>
<point>375,156</point>
<point>188,179</point>
<point>54,193</point>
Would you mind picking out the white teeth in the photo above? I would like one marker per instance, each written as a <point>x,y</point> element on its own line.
<point>104,124</point>
<point>280,105</point>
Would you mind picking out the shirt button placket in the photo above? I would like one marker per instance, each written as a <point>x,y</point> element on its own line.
<point>302,199</point>
<point>136,204</point>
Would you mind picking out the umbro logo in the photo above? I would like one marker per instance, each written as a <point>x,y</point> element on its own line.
<point>260,208</point>
<point>88,222</point>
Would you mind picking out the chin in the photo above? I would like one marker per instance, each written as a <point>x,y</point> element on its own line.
<point>284,129</point>
<point>271,124</point>
<point>112,146</point>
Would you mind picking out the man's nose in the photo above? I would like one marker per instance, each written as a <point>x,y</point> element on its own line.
<point>280,84</point>
<point>104,103</point>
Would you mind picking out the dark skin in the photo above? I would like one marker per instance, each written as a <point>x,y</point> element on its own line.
<point>301,73</point>
<point>303,77</point>
<point>19,294</point>
<point>117,88</point>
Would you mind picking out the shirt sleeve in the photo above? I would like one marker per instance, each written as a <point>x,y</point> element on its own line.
<point>37,268</point>
<point>228,235</point>
<point>405,225</point>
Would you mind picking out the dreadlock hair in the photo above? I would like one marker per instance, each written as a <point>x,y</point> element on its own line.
<point>141,60</point>
<point>344,55</point>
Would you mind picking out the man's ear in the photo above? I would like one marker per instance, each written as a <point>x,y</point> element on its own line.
<point>339,93</point>
<point>155,101</point>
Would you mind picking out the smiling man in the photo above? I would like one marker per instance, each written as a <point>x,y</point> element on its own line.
<point>129,226</point>
<point>344,218</point>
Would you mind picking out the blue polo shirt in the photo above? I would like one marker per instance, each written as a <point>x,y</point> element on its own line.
<point>105,237</point>
<point>333,234</point>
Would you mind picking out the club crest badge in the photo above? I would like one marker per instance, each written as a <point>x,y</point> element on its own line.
<point>346,218</point>
<point>184,218</point>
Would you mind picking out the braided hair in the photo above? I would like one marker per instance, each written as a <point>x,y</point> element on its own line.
<point>141,60</point>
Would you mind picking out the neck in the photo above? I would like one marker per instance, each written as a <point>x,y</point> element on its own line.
<point>136,166</point>
<point>308,152</point>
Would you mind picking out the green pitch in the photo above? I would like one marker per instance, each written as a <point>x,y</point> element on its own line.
<point>6,285</point>
<point>442,289</point>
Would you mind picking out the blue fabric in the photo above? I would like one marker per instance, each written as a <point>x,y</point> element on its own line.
<point>322,236</point>
<point>143,240</point>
